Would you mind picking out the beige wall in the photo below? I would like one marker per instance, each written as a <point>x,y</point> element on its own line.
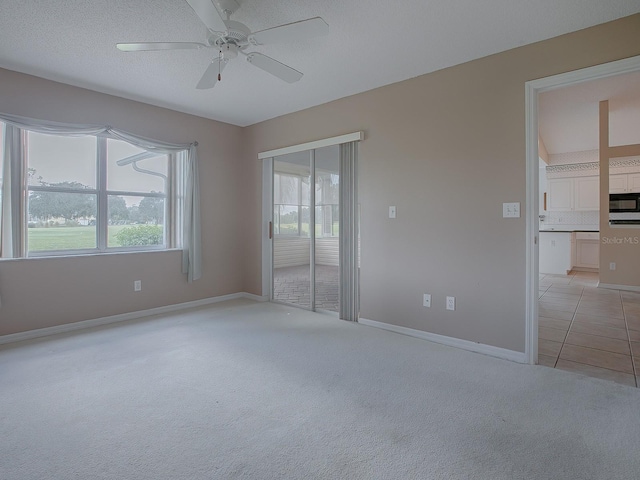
<point>39,293</point>
<point>617,244</point>
<point>542,151</point>
<point>447,149</point>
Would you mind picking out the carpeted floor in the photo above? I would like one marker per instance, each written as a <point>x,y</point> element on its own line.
<point>263,391</point>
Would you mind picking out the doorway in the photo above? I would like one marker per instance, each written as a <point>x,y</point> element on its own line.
<point>310,253</point>
<point>306,231</point>
<point>581,327</point>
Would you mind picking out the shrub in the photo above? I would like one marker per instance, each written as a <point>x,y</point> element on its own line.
<point>140,235</point>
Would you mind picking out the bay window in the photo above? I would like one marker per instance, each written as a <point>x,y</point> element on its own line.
<point>68,190</point>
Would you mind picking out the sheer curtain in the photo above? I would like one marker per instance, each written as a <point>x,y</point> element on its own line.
<point>349,233</point>
<point>13,178</point>
<point>11,241</point>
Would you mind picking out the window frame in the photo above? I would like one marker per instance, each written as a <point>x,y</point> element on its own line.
<point>298,206</point>
<point>332,207</point>
<point>102,205</point>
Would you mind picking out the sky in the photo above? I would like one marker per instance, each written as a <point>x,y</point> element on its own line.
<point>58,159</point>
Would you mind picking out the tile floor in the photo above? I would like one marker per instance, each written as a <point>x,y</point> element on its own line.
<point>291,285</point>
<point>589,330</point>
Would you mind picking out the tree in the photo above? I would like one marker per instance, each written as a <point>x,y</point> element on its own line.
<point>151,210</point>
<point>70,206</point>
<point>118,211</point>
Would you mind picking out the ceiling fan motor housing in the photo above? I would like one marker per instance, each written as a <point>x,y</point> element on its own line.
<point>236,31</point>
<point>232,41</point>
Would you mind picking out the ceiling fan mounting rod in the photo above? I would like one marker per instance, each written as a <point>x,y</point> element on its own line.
<point>228,7</point>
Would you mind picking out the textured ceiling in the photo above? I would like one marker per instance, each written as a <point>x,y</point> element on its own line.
<point>370,43</point>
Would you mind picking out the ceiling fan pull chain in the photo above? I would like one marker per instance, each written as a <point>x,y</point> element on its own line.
<point>219,56</point>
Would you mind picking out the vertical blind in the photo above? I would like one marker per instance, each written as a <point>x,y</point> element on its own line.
<point>349,233</point>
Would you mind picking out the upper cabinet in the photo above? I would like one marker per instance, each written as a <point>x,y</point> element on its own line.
<point>574,186</point>
<point>586,193</point>
<point>574,194</point>
<point>624,183</point>
<point>560,194</point>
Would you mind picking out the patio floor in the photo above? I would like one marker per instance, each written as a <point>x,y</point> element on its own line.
<point>292,285</point>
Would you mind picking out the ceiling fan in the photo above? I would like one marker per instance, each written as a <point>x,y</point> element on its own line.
<point>231,38</point>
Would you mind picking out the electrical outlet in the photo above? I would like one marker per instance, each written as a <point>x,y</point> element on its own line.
<point>137,285</point>
<point>426,300</point>
<point>612,266</point>
<point>451,303</point>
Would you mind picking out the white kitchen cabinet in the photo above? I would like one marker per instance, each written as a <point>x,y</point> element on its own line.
<point>587,253</point>
<point>574,194</point>
<point>560,194</point>
<point>556,252</point>
<point>587,250</point>
<point>586,193</point>
<point>617,183</point>
<point>624,183</point>
<point>633,182</point>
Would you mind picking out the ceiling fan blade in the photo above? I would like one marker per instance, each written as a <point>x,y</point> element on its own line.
<point>138,47</point>
<point>208,14</point>
<point>210,76</point>
<point>274,67</point>
<point>312,27</point>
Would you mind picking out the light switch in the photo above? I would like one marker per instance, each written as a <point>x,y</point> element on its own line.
<point>511,210</point>
<point>426,300</point>
<point>392,212</point>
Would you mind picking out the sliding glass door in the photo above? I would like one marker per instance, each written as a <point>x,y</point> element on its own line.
<point>292,239</point>
<point>327,231</point>
<point>305,260</point>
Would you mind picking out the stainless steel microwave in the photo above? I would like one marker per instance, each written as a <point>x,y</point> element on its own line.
<point>624,208</point>
<point>624,202</point>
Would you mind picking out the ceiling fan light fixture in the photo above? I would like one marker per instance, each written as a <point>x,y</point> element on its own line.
<point>228,51</point>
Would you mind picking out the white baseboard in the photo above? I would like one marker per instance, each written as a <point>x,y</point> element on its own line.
<point>490,350</point>
<point>257,298</point>
<point>123,317</point>
<point>627,288</point>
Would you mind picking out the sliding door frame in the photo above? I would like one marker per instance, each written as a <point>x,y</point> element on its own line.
<point>267,200</point>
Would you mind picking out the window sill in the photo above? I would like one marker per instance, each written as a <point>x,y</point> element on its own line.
<point>91,254</point>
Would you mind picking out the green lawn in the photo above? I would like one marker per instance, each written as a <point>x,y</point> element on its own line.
<point>68,238</point>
